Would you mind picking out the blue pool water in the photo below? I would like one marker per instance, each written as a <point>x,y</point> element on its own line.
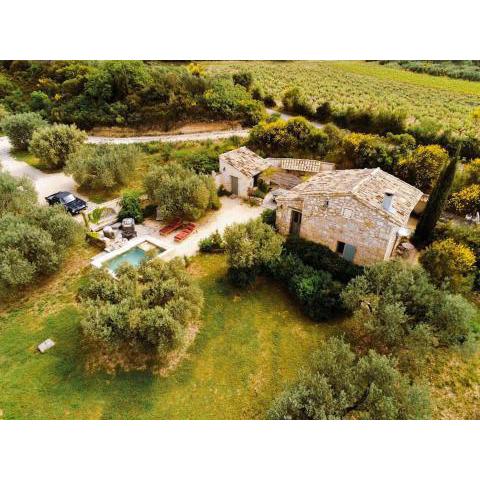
<point>134,256</point>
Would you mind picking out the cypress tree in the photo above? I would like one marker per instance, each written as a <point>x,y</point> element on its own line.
<point>435,205</point>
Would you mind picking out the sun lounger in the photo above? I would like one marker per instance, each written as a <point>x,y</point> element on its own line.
<point>187,230</point>
<point>172,226</point>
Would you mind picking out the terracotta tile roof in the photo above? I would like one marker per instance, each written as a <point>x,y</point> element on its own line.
<point>245,161</point>
<point>302,164</point>
<point>366,185</point>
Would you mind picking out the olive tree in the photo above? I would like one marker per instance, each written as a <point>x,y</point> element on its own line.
<point>249,247</point>
<point>53,145</point>
<point>20,128</point>
<point>146,308</point>
<point>97,167</point>
<point>180,192</point>
<point>391,300</point>
<point>34,244</point>
<point>33,239</point>
<point>17,195</point>
<point>338,384</point>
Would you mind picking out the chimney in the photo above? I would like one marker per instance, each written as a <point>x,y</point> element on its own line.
<point>387,201</point>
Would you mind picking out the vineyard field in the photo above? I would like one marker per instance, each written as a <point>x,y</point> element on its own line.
<point>364,85</point>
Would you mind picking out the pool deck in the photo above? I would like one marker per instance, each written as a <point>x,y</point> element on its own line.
<point>233,210</point>
<point>103,257</point>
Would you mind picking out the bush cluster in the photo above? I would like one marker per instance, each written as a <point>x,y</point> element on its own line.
<point>250,248</point>
<point>102,167</point>
<point>53,145</point>
<point>213,243</point>
<point>180,192</point>
<point>146,308</point>
<point>288,138</point>
<point>449,264</point>
<point>394,300</point>
<point>464,69</point>
<point>339,384</point>
<point>124,92</point>
<point>321,257</point>
<point>20,128</point>
<point>34,239</point>
<point>130,206</point>
<point>468,235</point>
<point>315,290</point>
<point>466,201</point>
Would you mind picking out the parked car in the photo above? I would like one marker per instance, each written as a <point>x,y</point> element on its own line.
<point>71,203</point>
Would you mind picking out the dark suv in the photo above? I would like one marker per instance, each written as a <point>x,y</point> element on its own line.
<point>71,203</point>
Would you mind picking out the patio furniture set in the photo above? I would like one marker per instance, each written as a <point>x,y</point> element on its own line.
<point>186,229</point>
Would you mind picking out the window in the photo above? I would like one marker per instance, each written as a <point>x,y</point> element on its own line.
<point>325,203</point>
<point>346,250</point>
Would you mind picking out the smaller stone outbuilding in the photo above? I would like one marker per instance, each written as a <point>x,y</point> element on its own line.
<point>240,169</point>
<point>360,214</point>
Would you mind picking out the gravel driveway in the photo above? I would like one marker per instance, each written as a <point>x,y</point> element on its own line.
<point>181,137</point>
<point>45,183</point>
<point>48,183</point>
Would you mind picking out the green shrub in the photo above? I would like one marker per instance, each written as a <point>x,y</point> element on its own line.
<point>315,290</point>
<point>288,138</point>
<point>245,79</point>
<point>19,128</point>
<point>321,257</point>
<point>338,384</point>
<point>250,247</point>
<point>449,264</point>
<point>391,299</point>
<point>131,206</point>
<point>107,167</point>
<point>203,162</point>
<point>269,101</point>
<point>294,101</point>
<point>34,239</point>
<point>464,234</point>
<point>147,308</point>
<point>269,216</point>
<point>422,166</point>
<point>54,144</point>
<point>212,244</point>
<point>179,192</point>
<point>466,201</point>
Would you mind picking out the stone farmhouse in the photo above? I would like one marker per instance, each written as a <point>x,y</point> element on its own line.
<point>240,169</point>
<point>360,214</point>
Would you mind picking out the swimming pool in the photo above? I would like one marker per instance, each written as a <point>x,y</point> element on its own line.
<point>134,257</point>
<point>133,253</point>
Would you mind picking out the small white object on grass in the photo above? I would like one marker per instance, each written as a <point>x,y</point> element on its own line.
<point>47,344</point>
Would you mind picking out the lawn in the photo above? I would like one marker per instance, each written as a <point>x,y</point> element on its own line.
<point>31,159</point>
<point>364,85</point>
<point>251,342</point>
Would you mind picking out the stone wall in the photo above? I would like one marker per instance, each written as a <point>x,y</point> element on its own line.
<point>329,219</point>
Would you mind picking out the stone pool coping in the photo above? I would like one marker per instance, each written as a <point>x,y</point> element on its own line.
<point>98,260</point>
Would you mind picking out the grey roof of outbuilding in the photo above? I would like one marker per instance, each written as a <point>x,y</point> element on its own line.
<point>245,161</point>
<point>366,185</point>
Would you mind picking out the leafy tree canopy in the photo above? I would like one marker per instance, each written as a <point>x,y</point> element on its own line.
<point>179,192</point>
<point>148,308</point>
<point>340,385</point>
